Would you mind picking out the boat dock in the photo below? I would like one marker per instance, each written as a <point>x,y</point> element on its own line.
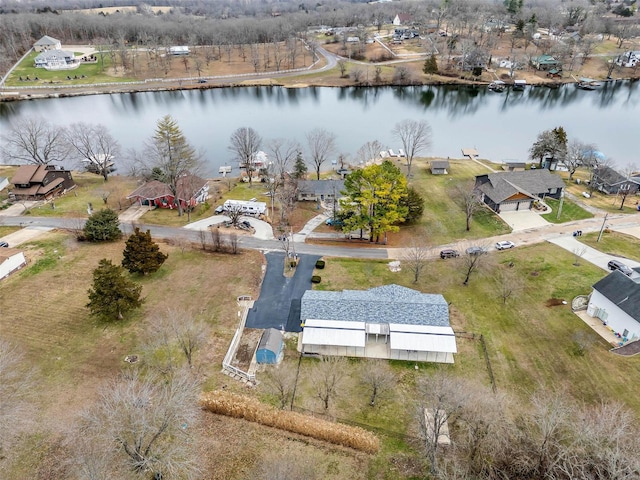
<point>472,153</point>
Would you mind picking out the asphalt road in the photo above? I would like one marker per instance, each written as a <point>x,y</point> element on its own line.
<point>279,303</point>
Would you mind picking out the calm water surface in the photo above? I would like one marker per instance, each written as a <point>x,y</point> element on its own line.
<point>499,125</point>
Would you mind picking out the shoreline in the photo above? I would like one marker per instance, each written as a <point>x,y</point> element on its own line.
<point>88,90</point>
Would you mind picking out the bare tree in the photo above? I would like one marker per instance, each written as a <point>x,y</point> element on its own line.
<point>468,196</point>
<point>471,261</point>
<point>16,385</point>
<point>321,145</point>
<point>280,381</point>
<point>288,197</point>
<point>369,151</point>
<point>234,212</point>
<point>378,378</point>
<point>628,187</point>
<point>327,378</point>
<point>442,399</point>
<point>283,153</point>
<point>415,136</point>
<point>578,252</point>
<point>35,141</point>
<point>415,258</point>
<point>245,144</point>
<point>145,423</point>
<point>507,283</point>
<point>93,146</point>
<point>577,155</point>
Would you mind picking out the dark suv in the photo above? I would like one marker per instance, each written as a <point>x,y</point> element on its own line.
<point>449,253</point>
<point>617,265</point>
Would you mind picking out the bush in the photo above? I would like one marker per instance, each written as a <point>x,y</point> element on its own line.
<point>103,226</point>
<point>293,264</point>
<point>320,264</point>
<point>252,410</point>
<point>316,279</point>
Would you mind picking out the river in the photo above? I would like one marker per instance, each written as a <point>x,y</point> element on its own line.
<point>500,126</point>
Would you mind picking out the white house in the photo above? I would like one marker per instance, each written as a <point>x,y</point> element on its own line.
<point>402,19</point>
<point>616,301</point>
<point>56,60</point>
<point>11,260</point>
<point>47,43</point>
<point>390,322</point>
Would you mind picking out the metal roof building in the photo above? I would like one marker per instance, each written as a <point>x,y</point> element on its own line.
<point>391,322</point>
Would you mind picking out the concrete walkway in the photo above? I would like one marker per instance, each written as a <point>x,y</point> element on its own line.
<point>133,213</point>
<point>309,227</point>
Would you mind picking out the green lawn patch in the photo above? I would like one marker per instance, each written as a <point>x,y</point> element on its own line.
<point>444,219</point>
<point>614,243</point>
<point>530,345</point>
<point>93,73</point>
<point>570,211</point>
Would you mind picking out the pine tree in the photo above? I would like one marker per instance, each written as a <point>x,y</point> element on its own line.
<point>414,204</point>
<point>299,167</point>
<point>103,226</point>
<point>430,65</point>
<point>141,254</point>
<point>112,295</point>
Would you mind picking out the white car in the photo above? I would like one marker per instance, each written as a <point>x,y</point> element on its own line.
<point>505,244</point>
<point>586,195</point>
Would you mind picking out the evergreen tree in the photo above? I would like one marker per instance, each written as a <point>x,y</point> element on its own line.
<point>414,204</point>
<point>103,226</point>
<point>112,295</point>
<point>141,254</point>
<point>299,167</point>
<point>430,65</point>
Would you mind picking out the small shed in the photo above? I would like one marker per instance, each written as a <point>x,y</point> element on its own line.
<point>270,346</point>
<point>440,167</point>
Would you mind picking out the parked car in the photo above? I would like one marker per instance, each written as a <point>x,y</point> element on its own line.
<point>219,210</point>
<point>4,244</point>
<point>504,245</point>
<point>333,222</point>
<point>618,265</point>
<point>476,250</point>
<point>586,194</point>
<point>202,80</point>
<point>449,253</point>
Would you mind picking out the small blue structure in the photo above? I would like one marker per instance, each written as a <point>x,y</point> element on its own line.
<point>270,346</point>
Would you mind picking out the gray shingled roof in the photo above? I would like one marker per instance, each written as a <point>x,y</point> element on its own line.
<point>440,164</point>
<point>271,340</point>
<point>386,304</point>
<point>47,40</point>
<point>623,291</point>
<point>502,185</point>
<point>321,187</point>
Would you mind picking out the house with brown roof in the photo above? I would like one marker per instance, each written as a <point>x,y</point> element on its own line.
<point>40,182</point>
<point>191,191</point>
<point>514,191</point>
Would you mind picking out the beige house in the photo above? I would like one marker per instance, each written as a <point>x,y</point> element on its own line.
<point>47,43</point>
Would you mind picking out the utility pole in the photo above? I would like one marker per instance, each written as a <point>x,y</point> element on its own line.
<point>602,228</point>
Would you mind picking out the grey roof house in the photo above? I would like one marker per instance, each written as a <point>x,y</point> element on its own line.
<point>390,322</point>
<point>513,191</point>
<point>56,60</point>
<point>608,181</point>
<point>47,43</point>
<point>319,190</point>
<point>616,301</point>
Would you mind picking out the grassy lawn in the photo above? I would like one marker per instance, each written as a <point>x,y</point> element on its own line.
<point>614,243</point>
<point>443,220</point>
<point>90,188</point>
<point>93,73</point>
<point>7,230</point>
<point>609,203</point>
<point>570,211</point>
<point>170,217</point>
<point>74,354</point>
<point>530,345</point>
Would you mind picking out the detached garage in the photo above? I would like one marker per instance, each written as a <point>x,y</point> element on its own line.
<point>391,322</point>
<point>270,346</point>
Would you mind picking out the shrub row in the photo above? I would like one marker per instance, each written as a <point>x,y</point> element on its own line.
<point>239,406</point>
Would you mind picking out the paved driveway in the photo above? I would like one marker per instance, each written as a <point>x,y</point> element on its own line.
<point>279,303</point>
<point>24,235</point>
<point>592,255</point>
<point>262,229</point>
<point>523,220</point>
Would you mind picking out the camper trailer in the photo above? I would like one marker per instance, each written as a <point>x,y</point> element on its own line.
<point>246,207</point>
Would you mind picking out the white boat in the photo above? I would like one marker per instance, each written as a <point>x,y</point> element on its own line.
<point>519,84</point>
<point>401,153</point>
<point>497,86</point>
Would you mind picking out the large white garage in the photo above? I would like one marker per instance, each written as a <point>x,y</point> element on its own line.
<point>390,322</point>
